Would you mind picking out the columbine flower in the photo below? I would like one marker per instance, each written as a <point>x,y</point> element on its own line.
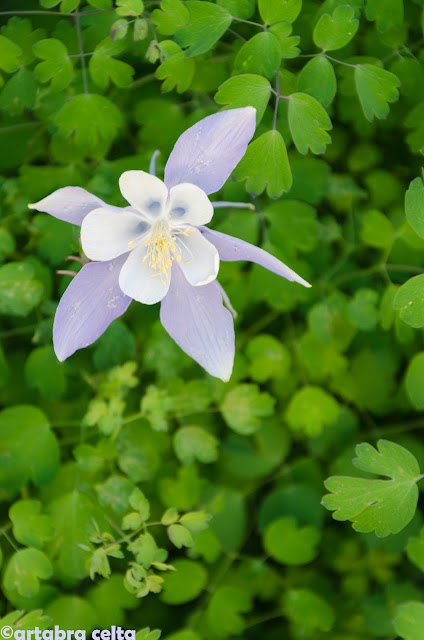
<point>157,249</point>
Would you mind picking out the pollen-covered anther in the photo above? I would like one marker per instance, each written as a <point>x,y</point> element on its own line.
<point>162,249</point>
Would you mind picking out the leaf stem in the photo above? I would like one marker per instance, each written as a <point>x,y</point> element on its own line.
<point>345,64</point>
<point>255,24</point>
<point>277,99</point>
<point>82,54</point>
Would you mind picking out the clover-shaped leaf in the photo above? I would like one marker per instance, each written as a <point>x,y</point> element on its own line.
<point>409,301</point>
<point>335,31</point>
<point>309,123</point>
<point>265,165</point>
<point>23,621</point>
<point>414,206</point>
<point>10,55</point>
<point>318,80</point>
<point>376,87</point>
<point>206,25</point>
<point>273,11</point>
<point>171,16</point>
<point>409,621</point>
<point>56,67</point>
<point>245,90</point>
<point>289,543</point>
<point>90,119</point>
<point>104,68</point>
<point>25,570</point>
<point>382,506</point>
<point>30,526</point>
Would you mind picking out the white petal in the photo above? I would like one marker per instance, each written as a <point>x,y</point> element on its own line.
<point>141,282</point>
<point>106,235</point>
<point>188,204</point>
<point>144,192</point>
<point>199,258</point>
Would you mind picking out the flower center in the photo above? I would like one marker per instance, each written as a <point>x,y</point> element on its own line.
<point>162,249</point>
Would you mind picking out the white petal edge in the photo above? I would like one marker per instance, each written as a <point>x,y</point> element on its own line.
<point>141,282</point>
<point>199,258</point>
<point>188,204</point>
<point>106,235</point>
<point>144,192</point>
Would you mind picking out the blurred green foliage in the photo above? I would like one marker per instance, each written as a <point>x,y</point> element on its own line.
<point>137,491</point>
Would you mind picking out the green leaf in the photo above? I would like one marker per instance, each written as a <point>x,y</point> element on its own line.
<point>376,88</point>
<point>115,493</point>
<point>177,71</point>
<point>289,543</point>
<point>409,620</point>
<point>311,409</point>
<point>318,80</point>
<point>56,67</point>
<point>24,571</point>
<point>19,92</point>
<point>260,55</point>
<point>388,14</point>
<point>20,292</point>
<point>28,448</point>
<point>104,68</point>
<point>414,381</point>
<point>10,55</point>
<point>129,7</point>
<point>144,549</point>
<point>246,90</point>
<point>89,119</point>
<point>239,8</point>
<point>119,29</point>
<point>335,31</point>
<point>180,536</point>
<point>30,526</point>
<point>265,165</point>
<point>409,301</point>
<point>321,616</point>
<point>415,550</point>
<point>185,583</point>
<point>195,443</point>
<point>146,634</point>
<point>22,621</point>
<point>44,372</point>
<point>244,406</point>
<point>377,230</point>
<point>195,520</point>
<point>292,226</point>
<point>309,123</point>
<point>100,4</point>
<point>362,309</point>
<point>74,517</point>
<point>382,506</point>
<point>208,22</point>
<point>171,16</point>
<point>414,206</point>
<point>268,358</point>
<point>224,609</point>
<point>288,44</point>
<point>141,30</point>
<point>273,11</point>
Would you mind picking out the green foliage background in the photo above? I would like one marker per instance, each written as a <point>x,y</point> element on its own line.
<point>134,489</point>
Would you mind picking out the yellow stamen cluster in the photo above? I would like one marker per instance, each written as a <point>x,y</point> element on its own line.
<point>162,249</point>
